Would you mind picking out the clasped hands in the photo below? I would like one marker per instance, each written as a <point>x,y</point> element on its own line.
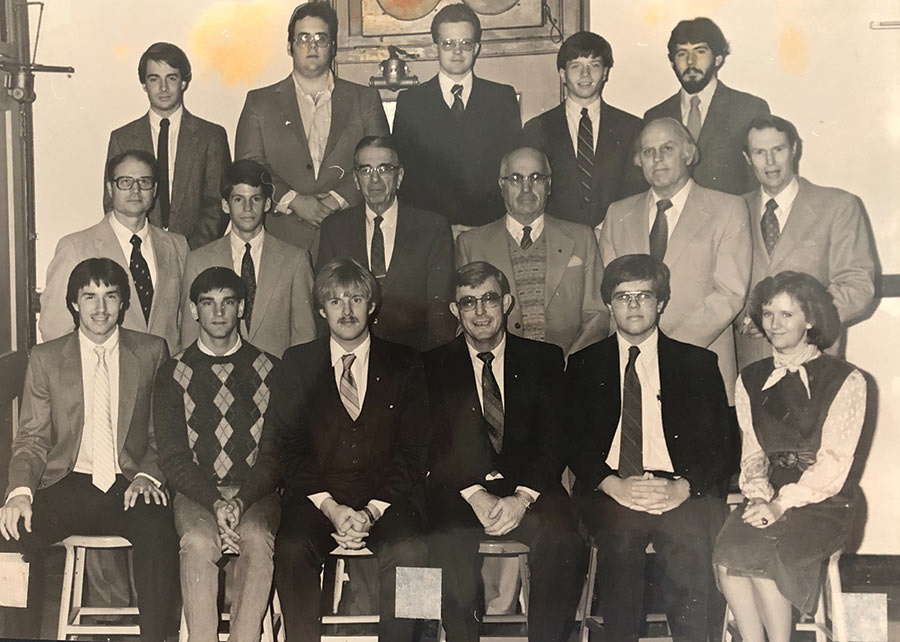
<point>314,208</point>
<point>351,527</point>
<point>762,514</point>
<point>228,515</point>
<point>498,515</point>
<point>647,493</point>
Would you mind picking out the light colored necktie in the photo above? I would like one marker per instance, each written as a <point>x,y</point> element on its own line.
<point>693,123</point>
<point>104,456</point>
<point>348,391</point>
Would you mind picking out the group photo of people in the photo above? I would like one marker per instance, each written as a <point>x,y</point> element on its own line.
<point>618,339</point>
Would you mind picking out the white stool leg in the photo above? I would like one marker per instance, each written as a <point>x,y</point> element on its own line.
<point>277,617</point>
<point>65,600</point>
<point>524,582</point>
<point>78,588</point>
<point>588,594</point>
<point>340,576</point>
<point>183,628</point>
<point>267,634</point>
<point>819,618</point>
<point>836,600</point>
<point>726,629</point>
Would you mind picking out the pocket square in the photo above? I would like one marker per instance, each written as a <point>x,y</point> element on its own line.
<point>574,261</point>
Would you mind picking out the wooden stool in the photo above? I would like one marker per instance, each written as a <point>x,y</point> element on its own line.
<point>340,577</point>
<point>71,608</point>
<point>830,597</point>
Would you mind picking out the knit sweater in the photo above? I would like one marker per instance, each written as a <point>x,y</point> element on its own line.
<point>208,417</point>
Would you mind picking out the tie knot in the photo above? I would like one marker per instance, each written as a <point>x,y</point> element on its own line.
<point>584,112</point>
<point>456,90</point>
<point>164,123</point>
<point>487,357</point>
<point>348,360</point>
<point>662,205</point>
<point>100,351</point>
<point>378,220</point>
<point>695,101</point>
<point>136,241</point>
<point>633,353</point>
<point>247,246</point>
<point>771,205</point>
<point>526,232</point>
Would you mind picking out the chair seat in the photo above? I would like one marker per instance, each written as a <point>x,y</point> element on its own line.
<point>95,541</point>
<point>502,547</point>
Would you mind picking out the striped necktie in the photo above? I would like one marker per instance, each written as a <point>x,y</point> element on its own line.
<point>348,391</point>
<point>585,156</point>
<point>631,460</point>
<point>492,402</point>
<point>103,473</point>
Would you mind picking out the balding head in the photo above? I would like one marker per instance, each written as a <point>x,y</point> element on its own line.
<point>525,183</point>
<point>665,152</point>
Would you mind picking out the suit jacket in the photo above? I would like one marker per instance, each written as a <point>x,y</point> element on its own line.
<point>452,167</point>
<point>708,254</point>
<point>307,416</point>
<point>614,177</point>
<point>575,314</point>
<point>283,307</point>
<point>533,439</point>
<point>51,420</point>
<point>694,412</point>
<point>270,130</point>
<point>826,235</point>
<point>203,154</point>
<point>99,241</point>
<point>722,165</point>
<point>419,283</point>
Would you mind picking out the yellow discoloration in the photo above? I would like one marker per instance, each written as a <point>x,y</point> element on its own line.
<point>122,51</point>
<point>793,51</point>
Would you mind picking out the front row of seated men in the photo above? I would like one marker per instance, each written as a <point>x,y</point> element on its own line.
<point>353,425</point>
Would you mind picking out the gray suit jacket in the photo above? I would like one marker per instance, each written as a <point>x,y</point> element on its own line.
<point>51,421</point>
<point>709,256</point>
<point>99,241</point>
<point>283,307</point>
<point>826,235</point>
<point>196,206</point>
<point>574,311</point>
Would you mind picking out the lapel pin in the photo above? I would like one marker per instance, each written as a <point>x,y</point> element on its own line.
<point>391,406</point>
<point>287,123</point>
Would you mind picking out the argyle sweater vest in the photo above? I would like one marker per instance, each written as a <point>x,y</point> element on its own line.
<point>530,273</point>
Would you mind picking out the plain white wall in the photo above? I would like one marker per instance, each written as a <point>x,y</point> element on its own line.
<point>815,61</point>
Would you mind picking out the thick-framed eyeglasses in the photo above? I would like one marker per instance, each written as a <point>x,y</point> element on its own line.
<point>627,298</point>
<point>312,39</point>
<point>452,44</point>
<point>488,300</point>
<point>384,170</point>
<point>125,183</point>
<point>517,180</point>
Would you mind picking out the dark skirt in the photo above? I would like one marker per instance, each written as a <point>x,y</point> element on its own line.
<point>791,551</point>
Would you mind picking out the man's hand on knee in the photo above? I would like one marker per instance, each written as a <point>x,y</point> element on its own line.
<point>15,508</point>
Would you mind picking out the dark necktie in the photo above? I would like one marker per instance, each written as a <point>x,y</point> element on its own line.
<point>377,261</point>
<point>162,160</point>
<point>659,233</point>
<point>631,460</point>
<point>526,238</point>
<point>585,153</point>
<point>769,224</point>
<point>493,403</point>
<point>248,274</point>
<point>693,121</point>
<point>140,272</point>
<point>458,108</point>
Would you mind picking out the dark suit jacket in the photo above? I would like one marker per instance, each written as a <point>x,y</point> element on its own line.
<point>694,412</point>
<point>722,165</point>
<point>51,420</point>
<point>419,283</point>
<point>452,168</point>
<point>203,155</point>
<point>270,131</point>
<point>533,437</point>
<point>615,175</point>
<point>283,307</point>
<point>307,416</point>
<point>826,235</point>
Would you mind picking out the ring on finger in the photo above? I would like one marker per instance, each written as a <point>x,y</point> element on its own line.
<point>765,521</point>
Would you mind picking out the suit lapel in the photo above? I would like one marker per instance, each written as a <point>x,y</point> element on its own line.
<point>404,239</point>
<point>754,203</point>
<point>670,377</point>
<point>129,367</point>
<point>798,227</point>
<point>559,251</point>
<point>496,237</point>
<point>290,113</point>
<point>141,136</point>
<point>637,224</point>
<point>166,269</point>
<point>460,377</point>
<point>690,222</point>
<point>270,261</point>
<point>185,157</point>
<point>717,112</point>
<point>340,112</point>
<point>72,383</point>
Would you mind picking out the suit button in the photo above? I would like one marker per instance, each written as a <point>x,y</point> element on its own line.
<point>309,166</point>
<point>353,445</point>
<point>518,325</point>
<point>374,321</point>
<point>355,461</point>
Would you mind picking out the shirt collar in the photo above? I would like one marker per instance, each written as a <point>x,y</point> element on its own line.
<point>573,109</point>
<point>515,228</point>
<point>202,347</point>
<point>678,199</point>
<point>298,87</point>
<point>647,347</point>
<point>174,119</point>
<point>124,234</point>
<point>361,351</point>
<point>111,343</point>
<point>237,243</point>
<point>446,83</point>
<point>705,94</point>
<point>784,198</point>
<point>389,215</point>
<point>499,350</point>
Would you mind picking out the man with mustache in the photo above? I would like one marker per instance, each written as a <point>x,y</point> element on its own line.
<point>715,115</point>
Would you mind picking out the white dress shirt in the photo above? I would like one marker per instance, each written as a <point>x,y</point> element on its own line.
<point>446,83</point>
<point>705,95</point>
<point>517,230</point>
<point>174,126</point>
<point>654,449</point>
<point>388,232</point>
<point>238,248</point>
<point>674,212</point>
<point>573,120</point>
<point>123,235</point>
<point>785,199</point>
<point>208,351</point>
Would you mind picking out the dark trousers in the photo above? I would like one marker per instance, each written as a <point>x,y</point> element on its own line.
<point>74,506</point>
<point>304,541</point>
<point>548,529</point>
<point>681,539</point>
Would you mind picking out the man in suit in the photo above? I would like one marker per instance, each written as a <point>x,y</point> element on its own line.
<point>191,152</point>
<point>304,128</point>
<point>702,236</point>
<point>717,116</point>
<point>84,460</point>
<point>350,419</point>
<point>799,226</point>
<point>649,411</point>
<point>155,258</point>
<point>497,459</point>
<point>278,309</point>
<point>588,141</point>
<point>410,251</point>
<point>553,265</point>
<point>452,130</point>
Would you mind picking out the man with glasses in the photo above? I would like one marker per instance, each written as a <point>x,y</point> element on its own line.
<point>191,152</point>
<point>452,130</point>
<point>304,129</point>
<point>409,250</point>
<point>649,413</point>
<point>553,265</point>
<point>497,459</point>
<point>154,258</point>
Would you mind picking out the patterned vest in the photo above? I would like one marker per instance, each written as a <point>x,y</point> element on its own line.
<point>530,273</point>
